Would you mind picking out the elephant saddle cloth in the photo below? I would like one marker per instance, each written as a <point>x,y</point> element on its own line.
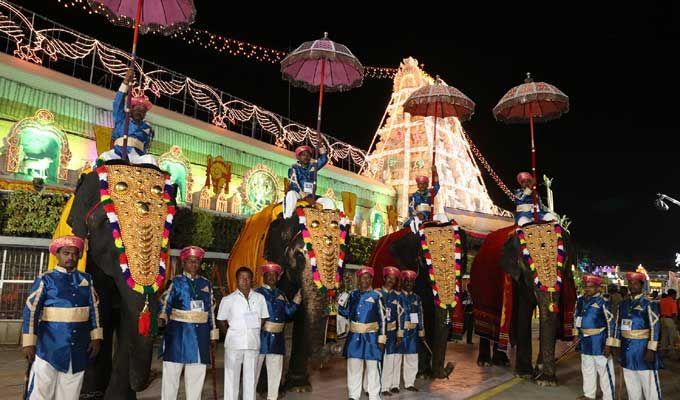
<point>141,210</point>
<point>323,233</point>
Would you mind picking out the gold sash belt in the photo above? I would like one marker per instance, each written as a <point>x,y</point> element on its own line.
<point>274,327</point>
<point>191,317</point>
<point>65,314</point>
<point>636,334</point>
<point>358,327</point>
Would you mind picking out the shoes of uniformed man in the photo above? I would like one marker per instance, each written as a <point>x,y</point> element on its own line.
<point>412,389</point>
<point>394,390</point>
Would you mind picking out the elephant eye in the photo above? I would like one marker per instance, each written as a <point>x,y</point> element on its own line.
<point>315,224</point>
<point>121,186</point>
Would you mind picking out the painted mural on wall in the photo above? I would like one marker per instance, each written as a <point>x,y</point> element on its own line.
<point>37,148</point>
<point>179,168</point>
<point>260,188</point>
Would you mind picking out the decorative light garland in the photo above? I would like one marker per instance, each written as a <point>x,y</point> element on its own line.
<point>458,252</point>
<point>532,265</point>
<point>110,209</point>
<point>306,237</point>
<point>61,42</point>
<point>232,47</point>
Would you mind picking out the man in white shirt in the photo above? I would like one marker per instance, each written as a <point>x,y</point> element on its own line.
<point>241,315</point>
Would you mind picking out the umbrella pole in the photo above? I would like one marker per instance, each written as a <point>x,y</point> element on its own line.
<point>434,157</point>
<point>128,99</point>
<point>318,114</point>
<point>533,167</point>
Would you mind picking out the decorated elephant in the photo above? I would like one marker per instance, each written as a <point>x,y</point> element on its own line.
<point>125,211</point>
<point>515,270</point>
<point>310,247</point>
<point>438,254</point>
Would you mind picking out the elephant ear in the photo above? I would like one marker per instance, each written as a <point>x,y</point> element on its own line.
<point>86,197</point>
<point>512,262</point>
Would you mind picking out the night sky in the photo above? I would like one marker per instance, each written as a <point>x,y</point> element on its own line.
<point>609,156</point>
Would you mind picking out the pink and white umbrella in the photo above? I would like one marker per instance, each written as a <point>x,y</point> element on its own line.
<point>324,66</point>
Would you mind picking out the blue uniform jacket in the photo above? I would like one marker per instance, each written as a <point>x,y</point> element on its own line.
<point>298,174</point>
<point>392,312</point>
<point>280,311</point>
<point>142,132</point>
<point>642,316</point>
<point>188,332</point>
<point>366,315</point>
<point>597,324</point>
<point>421,197</point>
<point>410,331</point>
<point>60,318</point>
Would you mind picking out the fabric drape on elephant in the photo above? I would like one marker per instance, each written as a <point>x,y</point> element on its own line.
<point>102,135</point>
<point>487,281</point>
<point>63,229</point>
<point>381,256</point>
<point>248,250</point>
<point>506,314</point>
<point>349,204</point>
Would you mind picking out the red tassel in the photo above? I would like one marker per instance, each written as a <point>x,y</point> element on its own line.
<point>144,322</point>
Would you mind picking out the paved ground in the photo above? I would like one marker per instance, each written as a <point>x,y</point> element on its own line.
<point>467,382</point>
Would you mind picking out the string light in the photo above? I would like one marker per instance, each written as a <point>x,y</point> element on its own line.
<point>65,43</point>
<point>221,44</point>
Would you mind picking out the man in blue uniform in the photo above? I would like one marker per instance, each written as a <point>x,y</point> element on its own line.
<point>593,324</point>
<point>412,328</point>
<point>524,201</point>
<point>140,134</point>
<point>637,334</point>
<point>366,339</point>
<point>391,370</point>
<point>188,312</point>
<point>302,176</point>
<point>420,207</point>
<point>61,330</point>
<point>272,338</point>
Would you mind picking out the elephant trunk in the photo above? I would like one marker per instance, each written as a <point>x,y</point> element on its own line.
<point>548,333</point>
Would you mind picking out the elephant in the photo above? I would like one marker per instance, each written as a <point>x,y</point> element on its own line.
<point>121,373</point>
<point>504,294</point>
<point>268,236</point>
<point>402,249</point>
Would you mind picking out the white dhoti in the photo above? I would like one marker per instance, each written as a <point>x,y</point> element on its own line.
<point>233,360</point>
<point>410,369</point>
<point>391,372</point>
<point>642,384</point>
<point>133,157</point>
<point>591,368</point>
<point>526,220</point>
<point>355,372</point>
<point>274,369</point>
<point>194,375</point>
<point>292,197</point>
<point>46,383</point>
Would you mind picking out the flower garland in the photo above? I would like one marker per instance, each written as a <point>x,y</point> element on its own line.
<point>110,209</point>
<point>306,237</point>
<point>458,251</point>
<point>532,265</point>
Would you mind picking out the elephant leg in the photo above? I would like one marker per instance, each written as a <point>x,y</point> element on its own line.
<point>119,383</point>
<point>548,329</point>
<point>439,342</point>
<point>522,334</point>
<point>484,356</point>
<point>297,378</point>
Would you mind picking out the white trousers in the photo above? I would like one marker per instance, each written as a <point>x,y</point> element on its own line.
<point>410,369</point>
<point>133,157</point>
<point>591,368</point>
<point>292,197</point>
<point>194,375</point>
<point>525,220</point>
<point>233,360</point>
<point>391,372</point>
<point>642,384</point>
<point>355,373</point>
<point>46,383</point>
<point>274,369</point>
